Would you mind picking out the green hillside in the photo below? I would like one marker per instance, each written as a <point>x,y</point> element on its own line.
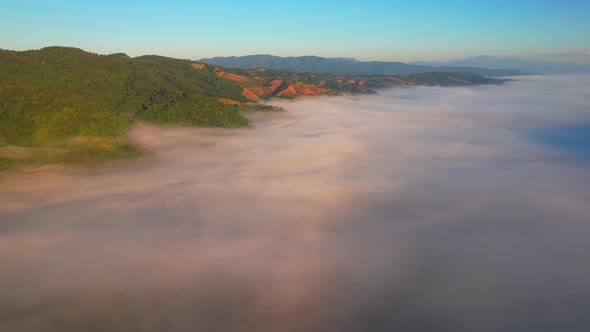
<point>60,98</point>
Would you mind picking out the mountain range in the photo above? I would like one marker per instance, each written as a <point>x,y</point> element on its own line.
<point>343,66</point>
<point>62,104</point>
<point>529,66</point>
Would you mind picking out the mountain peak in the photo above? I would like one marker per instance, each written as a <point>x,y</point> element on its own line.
<point>480,57</point>
<point>347,59</point>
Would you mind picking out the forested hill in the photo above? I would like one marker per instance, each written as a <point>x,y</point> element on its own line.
<point>149,88</point>
<point>49,97</point>
<point>339,66</point>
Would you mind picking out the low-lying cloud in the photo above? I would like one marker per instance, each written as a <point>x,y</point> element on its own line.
<point>431,209</point>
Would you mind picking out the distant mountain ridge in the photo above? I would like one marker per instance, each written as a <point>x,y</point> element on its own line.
<point>344,66</point>
<point>349,59</point>
<point>529,66</point>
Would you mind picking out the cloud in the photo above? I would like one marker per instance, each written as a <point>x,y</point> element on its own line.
<point>587,52</point>
<point>428,208</point>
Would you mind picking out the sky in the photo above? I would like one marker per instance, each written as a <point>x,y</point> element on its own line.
<point>367,30</point>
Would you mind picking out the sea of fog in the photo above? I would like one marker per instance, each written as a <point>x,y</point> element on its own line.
<point>417,209</point>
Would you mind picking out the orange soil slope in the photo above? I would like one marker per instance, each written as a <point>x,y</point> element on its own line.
<point>255,87</point>
<point>249,94</point>
<point>230,76</point>
<point>229,101</point>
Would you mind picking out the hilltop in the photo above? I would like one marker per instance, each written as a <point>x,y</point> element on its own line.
<point>344,66</point>
<point>66,105</point>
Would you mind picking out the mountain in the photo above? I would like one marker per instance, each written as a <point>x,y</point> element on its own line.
<point>339,66</point>
<point>529,66</point>
<point>78,106</point>
<point>63,104</point>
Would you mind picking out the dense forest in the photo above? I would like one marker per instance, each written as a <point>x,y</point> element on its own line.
<point>55,94</point>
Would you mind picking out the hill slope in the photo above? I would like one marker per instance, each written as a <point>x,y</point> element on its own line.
<point>51,96</point>
<point>263,84</point>
<point>314,64</point>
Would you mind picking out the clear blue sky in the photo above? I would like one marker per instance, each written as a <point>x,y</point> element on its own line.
<point>368,30</point>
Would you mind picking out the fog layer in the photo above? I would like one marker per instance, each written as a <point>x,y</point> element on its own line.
<point>419,209</point>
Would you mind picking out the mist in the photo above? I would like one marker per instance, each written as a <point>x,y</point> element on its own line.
<point>417,209</point>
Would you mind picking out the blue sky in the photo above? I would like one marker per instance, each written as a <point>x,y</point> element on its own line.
<point>368,30</point>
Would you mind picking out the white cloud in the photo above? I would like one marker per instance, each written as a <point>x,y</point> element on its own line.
<point>340,200</point>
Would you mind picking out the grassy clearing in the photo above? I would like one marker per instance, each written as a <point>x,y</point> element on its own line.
<point>79,150</point>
